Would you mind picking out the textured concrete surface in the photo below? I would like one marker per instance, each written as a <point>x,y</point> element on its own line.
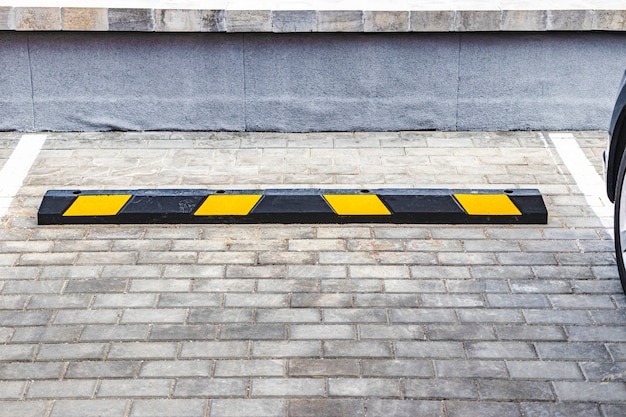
<point>294,320</point>
<point>308,82</point>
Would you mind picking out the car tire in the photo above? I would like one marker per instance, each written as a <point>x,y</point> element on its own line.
<point>619,221</point>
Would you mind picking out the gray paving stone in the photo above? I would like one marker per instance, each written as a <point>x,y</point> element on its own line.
<point>250,407</point>
<point>486,409</point>
<point>322,331</point>
<point>590,391</point>
<point>613,410</point>
<point>212,388</point>
<point>470,369</point>
<point>285,388</point>
<point>559,409</point>
<point>89,408</point>
<point>252,331</point>
<point>434,350</point>
<point>24,408</point>
<point>346,349</point>
<point>127,332</point>
<point>176,368</point>
<point>321,300</point>
<point>62,389</point>
<point>515,390</point>
<point>460,332</point>
<point>556,317</point>
<point>300,315</point>
<point>45,334</point>
<point>361,315</point>
<point>211,350</point>
<point>124,300</point>
<point>351,387</point>
<point>228,315</point>
<point>500,350</point>
<point>326,407</point>
<point>267,368</point>
<point>396,368</point>
<point>142,350</point>
<point>596,333</point>
<point>140,388</point>
<point>22,318</point>
<point>92,370</point>
<point>452,300</point>
<point>168,407</point>
<point>440,389</point>
<point>403,408</point>
<point>517,300</point>
<point>190,300</point>
<point>543,370</point>
<point>80,351</point>
<point>12,390</point>
<point>534,333</point>
<point>323,367</point>
<point>422,316</point>
<point>280,349</point>
<point>604,371</point>
<point>575,351</point>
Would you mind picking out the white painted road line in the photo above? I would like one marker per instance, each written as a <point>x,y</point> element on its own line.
<point>16,168</point>
<point>587,179</point>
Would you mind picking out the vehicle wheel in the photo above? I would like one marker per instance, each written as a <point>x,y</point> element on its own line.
<point>619,221</point>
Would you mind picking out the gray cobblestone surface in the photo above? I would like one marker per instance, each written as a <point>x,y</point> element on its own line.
<point>309,320</point>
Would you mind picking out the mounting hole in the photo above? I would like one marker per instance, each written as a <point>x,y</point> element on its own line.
<point>76,192</point>
<point>220,191</point>
<point>365,191</point>
<point>508,191</point>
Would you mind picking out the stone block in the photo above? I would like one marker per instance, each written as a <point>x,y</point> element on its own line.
<point>212,21</point>
<point>279,387</point>
<point>211,388</point>
<point>81,408</point>
<point>140,20</point>
<point>248,21</point>
<point>134,388</point>
<point>610,20</point>
<point>366,387</point>
<point>524,20</point>
<point>478,20</point>
<point>570,20</point>
<point>6,18</point>
<point>247,407</point>
<point>340,21</point>
<point>294,21</point>
<point>37,18</point>
<point>92,19</point>
<point>385,21</point>
<point>62,389</point>
<point>432,21</point>
<point>330,407</point>
<point>176,20</point>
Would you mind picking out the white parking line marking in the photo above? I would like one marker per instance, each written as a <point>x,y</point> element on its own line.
<point>589,182</point>
<point>16,168</point>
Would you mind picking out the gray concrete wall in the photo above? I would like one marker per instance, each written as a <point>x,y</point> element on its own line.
<point>308,82</point>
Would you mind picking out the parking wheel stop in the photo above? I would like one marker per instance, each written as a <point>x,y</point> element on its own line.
<point>192,206</point>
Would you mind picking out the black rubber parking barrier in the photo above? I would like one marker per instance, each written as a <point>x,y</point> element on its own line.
<point>518,206</point>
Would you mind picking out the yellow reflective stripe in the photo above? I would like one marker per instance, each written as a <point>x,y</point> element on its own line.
<point>357,204</point>
<point>97,205</point>
<point>487,204</point>
<point>228,205</point>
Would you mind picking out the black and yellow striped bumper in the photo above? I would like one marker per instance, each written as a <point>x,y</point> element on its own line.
<point>521,206</point>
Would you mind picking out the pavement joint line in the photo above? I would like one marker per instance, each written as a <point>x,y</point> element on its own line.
<point>17,167</point>
<point>585,175</point>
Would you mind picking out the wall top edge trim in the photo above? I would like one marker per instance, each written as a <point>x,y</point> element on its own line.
<point>233,16</point>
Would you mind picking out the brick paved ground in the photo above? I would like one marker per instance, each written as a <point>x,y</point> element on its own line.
<point>303,320</point>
